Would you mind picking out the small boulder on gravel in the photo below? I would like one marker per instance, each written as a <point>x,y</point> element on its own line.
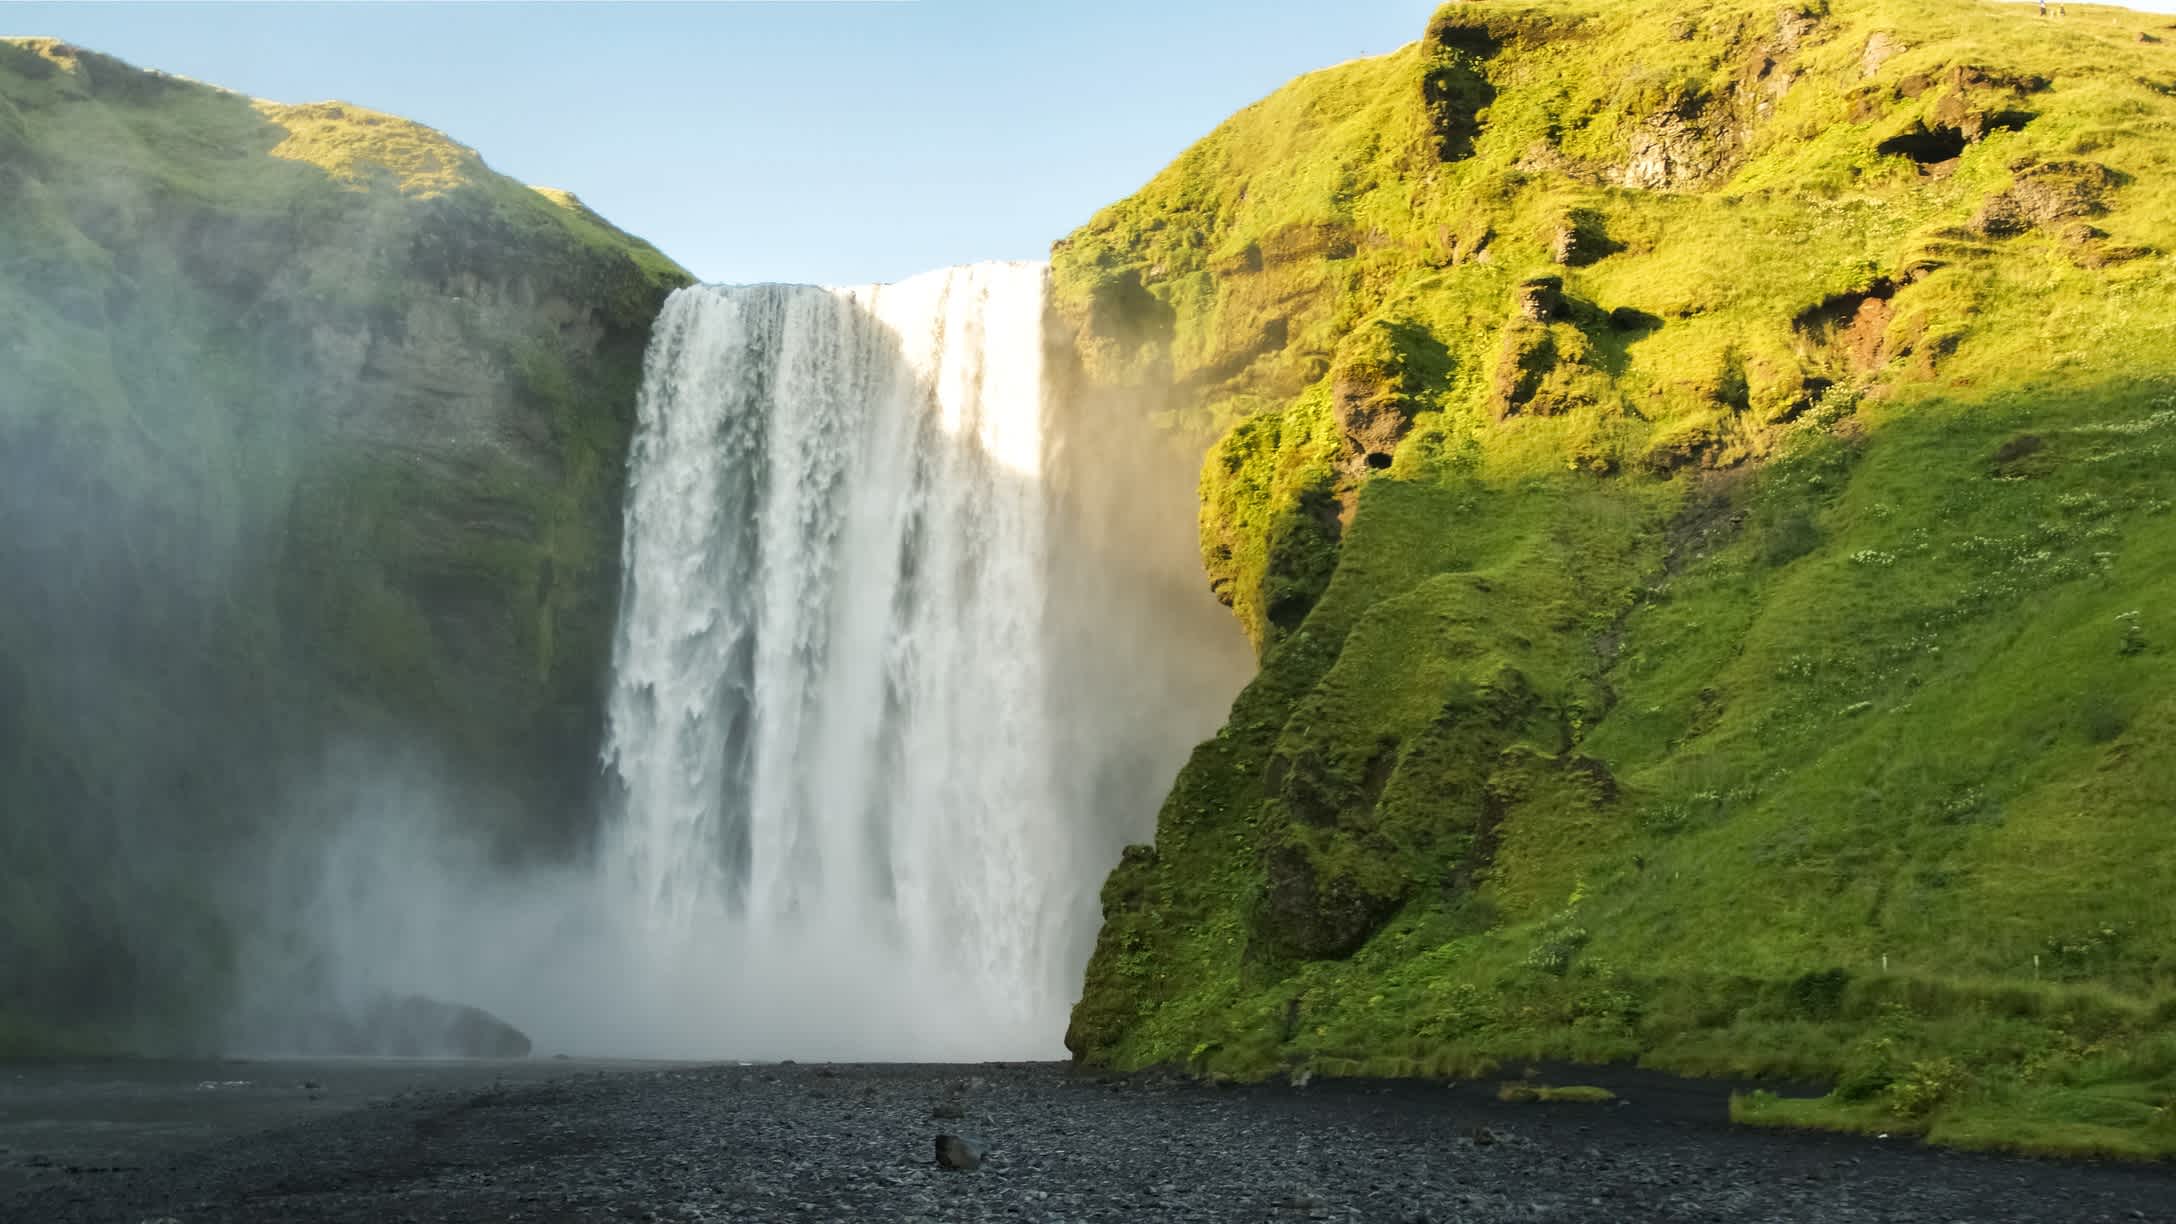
<point>1304,1205</point>
<point>960,1152</point>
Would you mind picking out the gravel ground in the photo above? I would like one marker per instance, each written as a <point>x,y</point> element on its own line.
<point>71,1118</point>
<point>847,1143</point>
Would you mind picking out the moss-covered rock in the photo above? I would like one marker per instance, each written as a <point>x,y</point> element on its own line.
<point>311,431</point>
<point>1378,383</point>
<point>1685,683</point>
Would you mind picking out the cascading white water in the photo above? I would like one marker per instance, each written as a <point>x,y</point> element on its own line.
<point>831,725</point>
<point>905,656</point>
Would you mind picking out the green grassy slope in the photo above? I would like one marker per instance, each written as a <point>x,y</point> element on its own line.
<point>1696,477</point>
<point>311,431</point>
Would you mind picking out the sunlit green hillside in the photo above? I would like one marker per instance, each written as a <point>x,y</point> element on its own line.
<point>1699,477</point>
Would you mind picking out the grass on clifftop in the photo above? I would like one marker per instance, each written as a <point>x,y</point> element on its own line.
<point>195,139</point>
<point>1697,477</point>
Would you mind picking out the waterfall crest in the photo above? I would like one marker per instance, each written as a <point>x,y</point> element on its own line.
<point>834,749</point>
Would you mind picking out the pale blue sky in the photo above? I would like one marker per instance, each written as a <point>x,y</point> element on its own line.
<point>818,141</point>
<point>826,142</point>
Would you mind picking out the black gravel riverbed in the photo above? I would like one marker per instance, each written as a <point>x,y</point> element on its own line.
<point>851,1143</point>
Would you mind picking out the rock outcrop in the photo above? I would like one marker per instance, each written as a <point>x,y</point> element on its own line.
<point>311,433</point>
<point>1654,663</point>
<point>400,1026</point>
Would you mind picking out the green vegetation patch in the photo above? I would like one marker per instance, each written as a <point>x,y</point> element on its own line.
<point>1696,479</point>
<point>321,425</point>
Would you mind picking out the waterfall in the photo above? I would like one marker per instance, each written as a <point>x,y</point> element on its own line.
<point>906,653</point>
<point>832,736</point>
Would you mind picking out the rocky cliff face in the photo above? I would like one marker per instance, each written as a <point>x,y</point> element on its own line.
<point>1691,474</point>
<point>311,435</point>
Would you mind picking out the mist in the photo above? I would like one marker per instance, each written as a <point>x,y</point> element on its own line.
<point>241,539</point>
<point>660,939</point>
<point>313,577</point>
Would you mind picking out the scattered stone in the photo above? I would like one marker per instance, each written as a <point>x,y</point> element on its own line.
<point>2017,448</point>
<point>1173,1149</point>
<point>961,1152</point>
<point>1303,1205</point>
<point>2045,194</point>
<point>1525,358</point>
<point>1881,47</point>
<point>1564,245</point>
<point>1671,152</point>
<point>1540,298</point>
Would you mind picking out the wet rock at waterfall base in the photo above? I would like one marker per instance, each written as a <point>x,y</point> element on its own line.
<point>960,1152</point>
<point>402,1026</point>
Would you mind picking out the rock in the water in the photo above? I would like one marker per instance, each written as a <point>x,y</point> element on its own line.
<point>961,1152</point>
<point>948,1110</point>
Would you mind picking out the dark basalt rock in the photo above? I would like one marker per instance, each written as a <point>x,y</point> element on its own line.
<point>405,1026</point>
<point>1526,356</point>
<point>1540,299</point>
<point>961,1152</point>
<point>2045,194</point>
<point>1320,914</point>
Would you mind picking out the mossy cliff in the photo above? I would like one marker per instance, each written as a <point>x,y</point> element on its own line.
<point>1697,477</point>
<point>311,433</point>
